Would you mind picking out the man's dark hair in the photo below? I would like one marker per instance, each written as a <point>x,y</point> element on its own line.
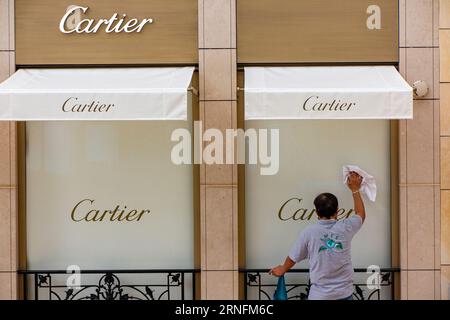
<point>326,205</point>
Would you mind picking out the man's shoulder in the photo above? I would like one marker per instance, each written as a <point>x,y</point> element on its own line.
<point>351,224</point>
<point>311,228</point>
<point>352,219</point>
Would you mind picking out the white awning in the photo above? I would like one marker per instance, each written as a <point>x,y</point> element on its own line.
<point>376,92</point>
<point>96,94</point>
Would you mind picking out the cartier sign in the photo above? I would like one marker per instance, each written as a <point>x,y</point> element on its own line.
<point>106,32</point>
<point>72,22</point>
<point>314,103</point>
<point>73,105</point>
<point>293,209</point>
<point>85,210</point>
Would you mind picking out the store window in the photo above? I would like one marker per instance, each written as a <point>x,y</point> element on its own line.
<point>105,195</point>
<point>101,195</point>
<point>316,140</point>
<point>312,153</point>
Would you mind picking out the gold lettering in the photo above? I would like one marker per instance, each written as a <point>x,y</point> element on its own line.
<point>89,213</point>
<point>91,216</point>
<point>344,214</point>
<point>141,214</point>
<point>305,214</point>
<point>122,215</point>
<point>288,212</point>
<point>76,207</point>
<point>280,212</point>
<point>106,212</point>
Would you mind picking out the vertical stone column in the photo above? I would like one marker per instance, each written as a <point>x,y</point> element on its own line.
<point>218,182</point>
<point>444,25</point>
<point>419,154</point>
<point>8,177</point>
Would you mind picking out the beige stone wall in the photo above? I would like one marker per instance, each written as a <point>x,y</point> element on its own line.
<point>419,154</point>
<point>444,32</point>
<point>218,183</point>
<point>424,184</point>
<point>8,176</point>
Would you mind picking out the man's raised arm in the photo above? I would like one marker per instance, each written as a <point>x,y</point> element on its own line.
<point>354,184</point>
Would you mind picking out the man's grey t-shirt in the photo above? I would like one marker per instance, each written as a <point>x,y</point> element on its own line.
<point>327,245</point>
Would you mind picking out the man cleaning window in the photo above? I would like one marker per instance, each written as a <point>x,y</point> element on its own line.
<point>327,245</point>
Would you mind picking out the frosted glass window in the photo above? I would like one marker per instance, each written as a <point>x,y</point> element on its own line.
<point>112,167</point>
<point>312,154</point>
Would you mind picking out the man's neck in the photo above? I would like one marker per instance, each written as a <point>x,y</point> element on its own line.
<point>328,219</point>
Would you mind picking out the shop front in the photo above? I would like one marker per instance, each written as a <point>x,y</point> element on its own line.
<point>327,118</point>
<point>332,91</point>
<point>97,90</point>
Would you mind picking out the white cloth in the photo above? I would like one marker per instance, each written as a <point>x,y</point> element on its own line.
<point>368,185</point>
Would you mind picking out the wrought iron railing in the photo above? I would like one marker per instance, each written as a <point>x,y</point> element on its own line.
<point>259,285</point>
<point>173,284</point>
<point>180,284</point>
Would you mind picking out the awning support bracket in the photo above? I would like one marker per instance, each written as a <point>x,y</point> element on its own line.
<point>193,90</point>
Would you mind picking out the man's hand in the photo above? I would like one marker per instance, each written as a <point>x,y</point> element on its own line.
<point>354,181</point>
<point>277,271</point>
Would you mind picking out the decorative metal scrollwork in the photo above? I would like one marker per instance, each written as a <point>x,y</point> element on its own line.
<point>263,290</point>
<point>109,286</point>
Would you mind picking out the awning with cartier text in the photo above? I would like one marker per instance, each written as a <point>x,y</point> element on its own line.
<point>96,94</point>
<point>363,92</point>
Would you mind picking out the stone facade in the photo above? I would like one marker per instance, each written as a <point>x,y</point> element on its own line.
<point>218,183</point>
<point>419,154</point>
<point>8,176</point>
<point>444,36</point>
<point>424,153</point>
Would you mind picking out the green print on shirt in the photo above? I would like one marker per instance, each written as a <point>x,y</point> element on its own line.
<point>331,243</point>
